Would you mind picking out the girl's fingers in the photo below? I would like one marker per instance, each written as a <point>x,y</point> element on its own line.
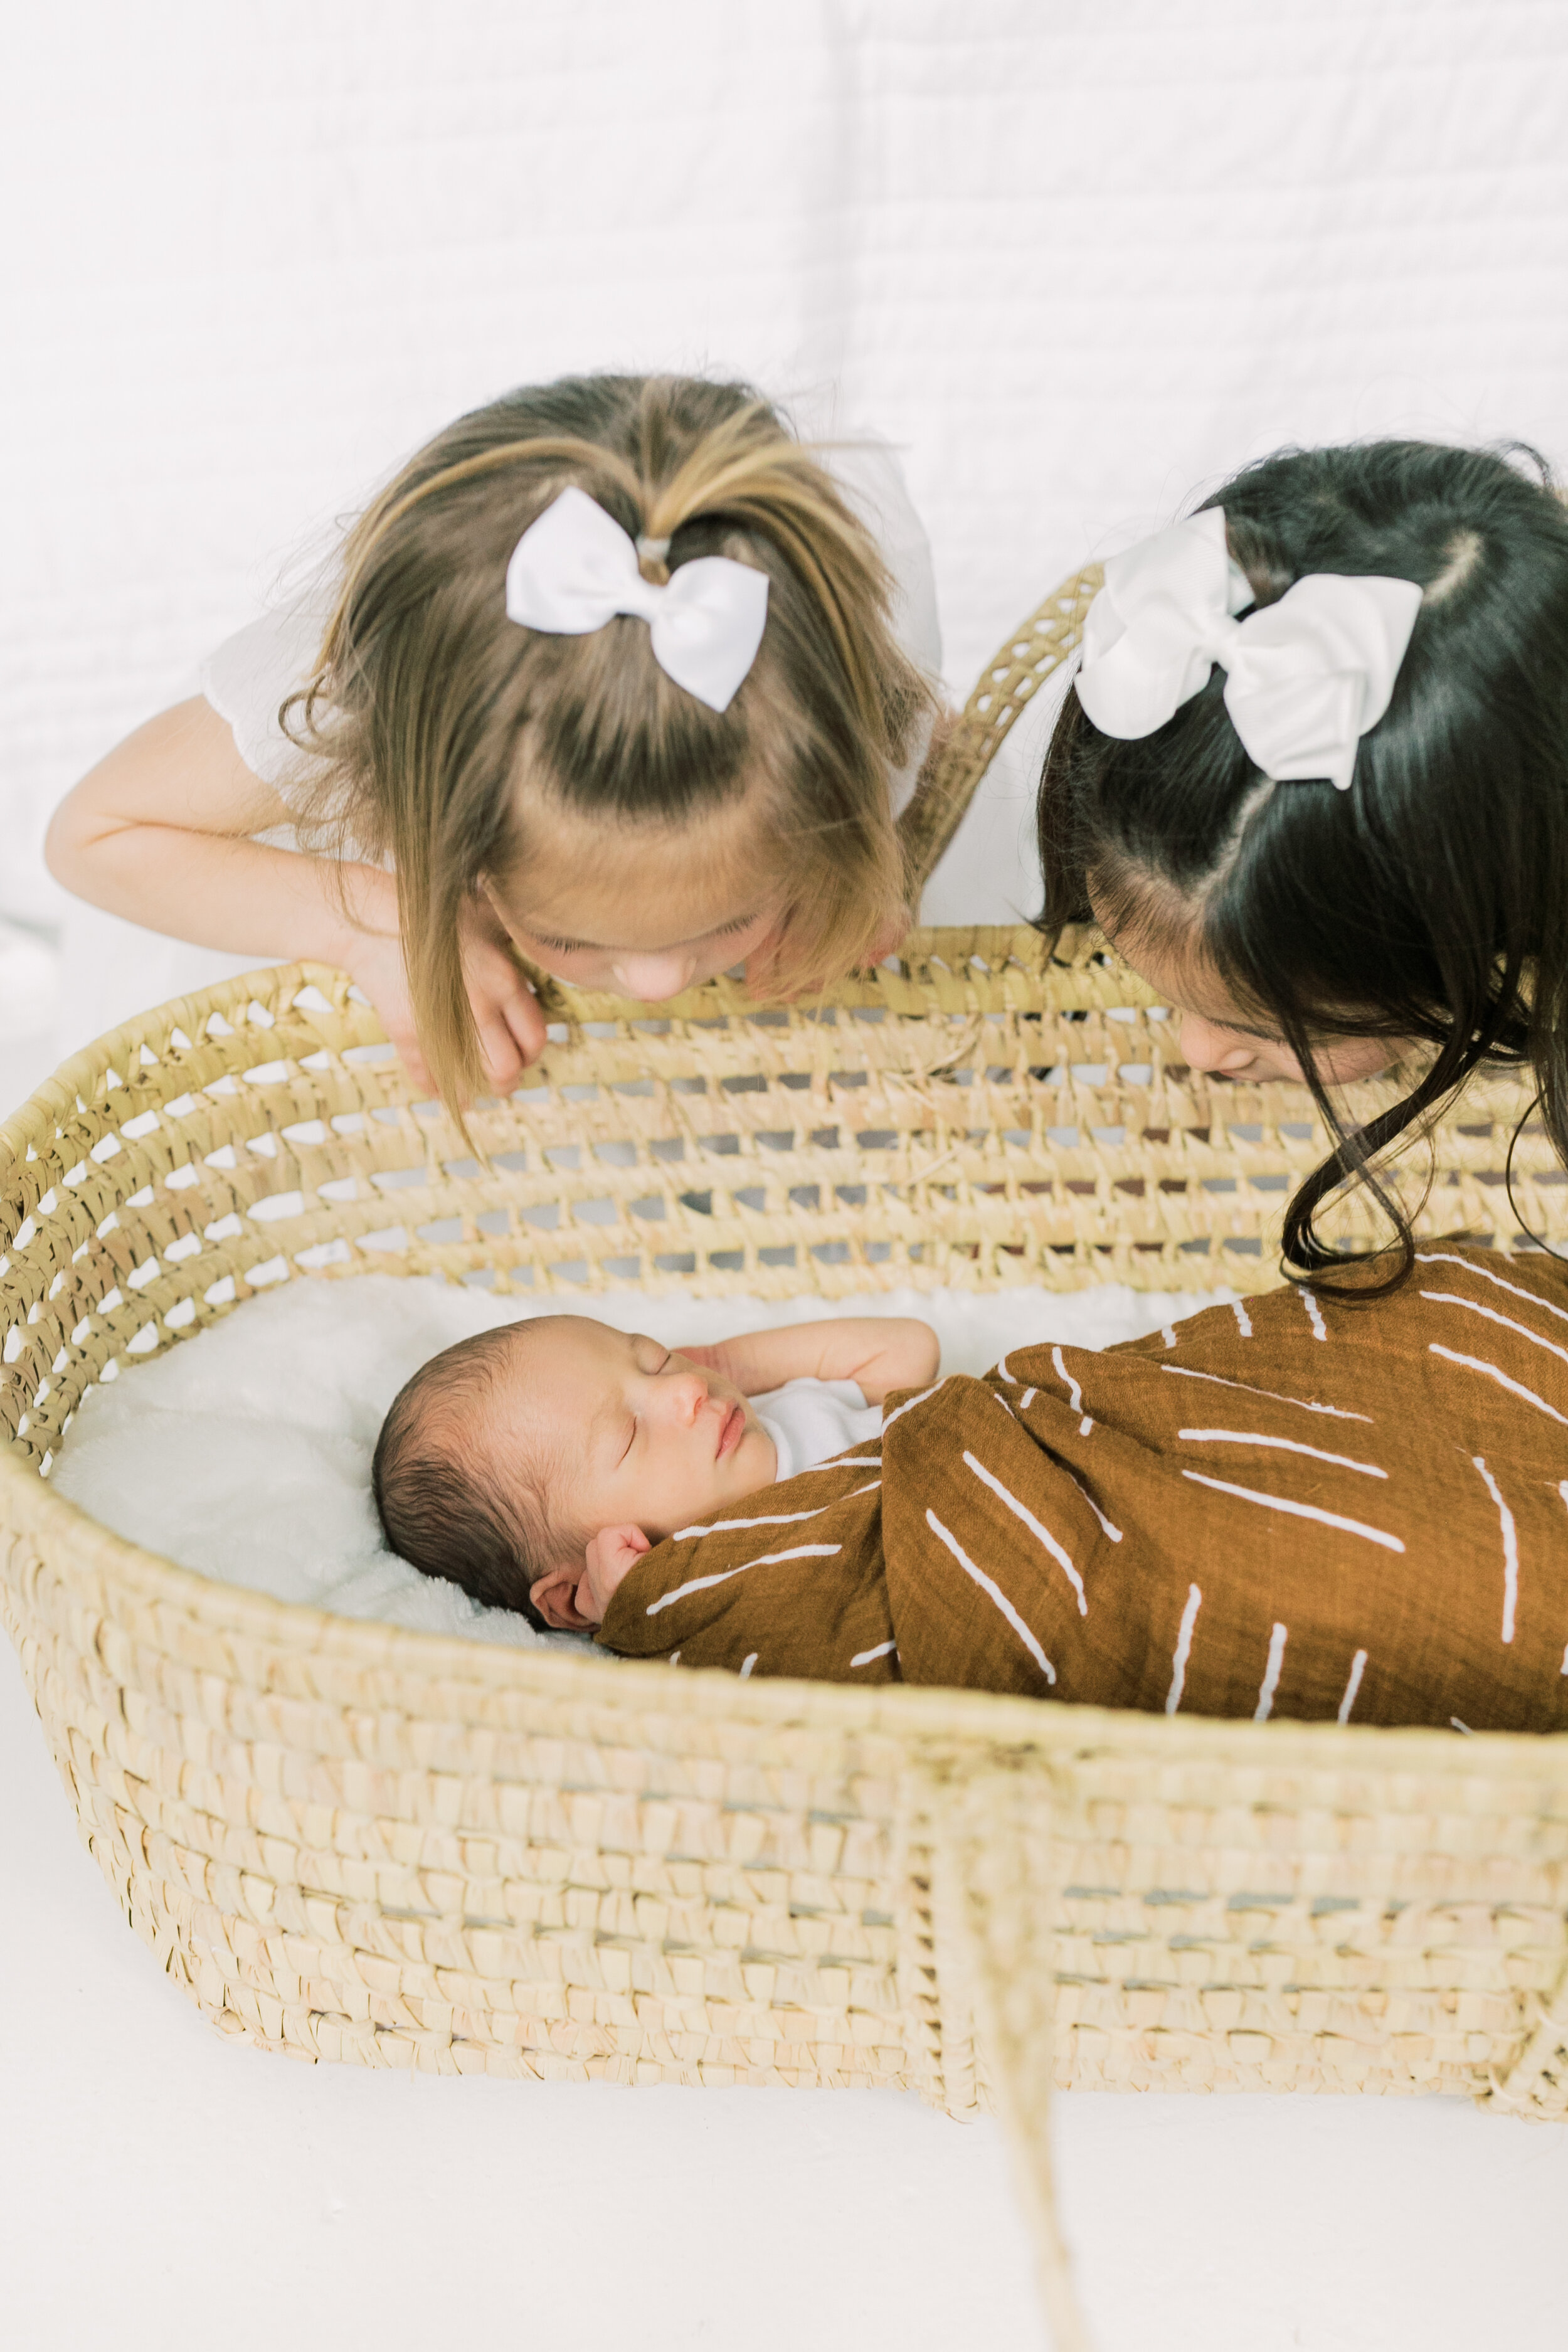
<point>525,1020</point>
<point>891,936</point>
<point>407,1042</point>
<point>505,1013</point>
<point>503,1063</point>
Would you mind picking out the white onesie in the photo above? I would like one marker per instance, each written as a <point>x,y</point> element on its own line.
<point>810,1421</point>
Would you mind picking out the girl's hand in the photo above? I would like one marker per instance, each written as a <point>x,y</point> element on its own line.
<point>371,952</point>
<point>506,1011</point>
<point>612,1552</point>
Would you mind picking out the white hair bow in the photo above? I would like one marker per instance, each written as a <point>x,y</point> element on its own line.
<point>574,568</point>
<point>1307,677</point>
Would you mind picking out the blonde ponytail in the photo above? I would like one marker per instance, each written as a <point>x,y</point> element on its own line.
<point>444,730</point>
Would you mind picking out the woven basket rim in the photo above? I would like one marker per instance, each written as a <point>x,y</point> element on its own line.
<point>939,1714</point>
<point>79,1072</point>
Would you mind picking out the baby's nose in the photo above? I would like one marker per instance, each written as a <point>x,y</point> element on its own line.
<point>688,1394</point>
<point>653,978</point>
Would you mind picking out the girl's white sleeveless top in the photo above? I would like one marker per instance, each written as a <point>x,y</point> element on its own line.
<point>253,673</point>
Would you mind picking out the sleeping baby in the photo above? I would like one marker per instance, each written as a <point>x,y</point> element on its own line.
<point>530,1463</point>
<point>1312,1504</point>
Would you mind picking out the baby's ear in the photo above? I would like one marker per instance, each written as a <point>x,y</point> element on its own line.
<point>554,1595</point>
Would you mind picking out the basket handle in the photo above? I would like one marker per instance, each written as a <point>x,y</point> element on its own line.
<point>965,747</point>
<point>990,1902</point>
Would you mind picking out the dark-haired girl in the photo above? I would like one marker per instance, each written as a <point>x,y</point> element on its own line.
<point>1313,783</point>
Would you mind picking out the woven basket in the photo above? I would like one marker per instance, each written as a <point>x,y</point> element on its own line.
<point>350,1841</point>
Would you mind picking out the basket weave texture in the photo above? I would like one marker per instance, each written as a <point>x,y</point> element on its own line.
<point>354,1841</point>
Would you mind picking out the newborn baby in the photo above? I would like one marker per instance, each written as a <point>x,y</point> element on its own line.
<point>532,1464</point>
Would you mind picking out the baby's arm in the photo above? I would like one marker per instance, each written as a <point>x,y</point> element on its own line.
<point>880,1352</point>
<point>160,832</point>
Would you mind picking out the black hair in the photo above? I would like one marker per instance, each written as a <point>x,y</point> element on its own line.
<point>1430,901</point>
<point>438,1508</point>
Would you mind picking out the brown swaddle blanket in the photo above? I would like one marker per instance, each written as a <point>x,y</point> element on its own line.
<point>1301,1506</point>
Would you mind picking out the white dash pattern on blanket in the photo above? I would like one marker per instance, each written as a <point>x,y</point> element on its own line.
<point>1022,1512</point>
<point>1509,1549</point>
<point>1306,1404</point>
<point>1496,1372</point>
<point>1184,1649</point>
<point>1243,1319</point>
<point>1297,1510</point>
<point>1446,1258</point>
<point>1476,1307</point>
<point>786,1519</point>
<point>1265,1707</point>
<point>869,1657</point>
<point>1358,1668</point>
<point>737,1526</point>
<point>1112,1533</point>
<point>992,1592</point>
<point>1314,1315</point>
<point>1075,1394</point>
<point>767,1560</point>
<point>909,1403</point>
<point>1289,1446</point>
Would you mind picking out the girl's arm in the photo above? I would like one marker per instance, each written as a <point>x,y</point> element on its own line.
<point>160,832</point>
<point>880,1352</point>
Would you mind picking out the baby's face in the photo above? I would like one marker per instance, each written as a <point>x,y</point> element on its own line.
<point>637,1435</point>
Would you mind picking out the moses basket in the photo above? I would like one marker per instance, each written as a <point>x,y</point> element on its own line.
<point>349,1840</point>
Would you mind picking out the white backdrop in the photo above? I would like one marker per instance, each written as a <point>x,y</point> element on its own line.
<point>1076,261</point>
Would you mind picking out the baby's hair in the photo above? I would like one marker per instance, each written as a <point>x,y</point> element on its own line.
<point>431,708</point>
<point>439,1508</point>
<point>1428,902</point>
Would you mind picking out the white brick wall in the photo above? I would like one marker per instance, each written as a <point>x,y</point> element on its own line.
<point>1077,260</point>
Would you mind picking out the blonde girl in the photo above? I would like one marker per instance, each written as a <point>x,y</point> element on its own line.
<point>607,679</point>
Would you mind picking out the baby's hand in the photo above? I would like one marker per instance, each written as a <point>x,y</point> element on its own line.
<point>611,1553</point>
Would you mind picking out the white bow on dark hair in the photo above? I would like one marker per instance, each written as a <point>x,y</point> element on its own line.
<point>574,568</point>
<point>1306,678</point>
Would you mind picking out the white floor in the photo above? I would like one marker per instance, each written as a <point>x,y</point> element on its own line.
<point>160,2188</point>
